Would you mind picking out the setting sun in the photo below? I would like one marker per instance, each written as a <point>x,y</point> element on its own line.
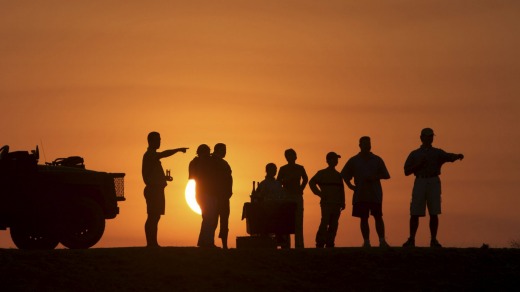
<point>190,196</point>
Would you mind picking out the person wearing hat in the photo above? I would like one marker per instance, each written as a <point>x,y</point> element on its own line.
<point>425,163</point>
<point>367,170</point>
<point>328,185</point>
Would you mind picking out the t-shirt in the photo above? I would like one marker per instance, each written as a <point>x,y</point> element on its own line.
<point>290,175</point>
<point>364,169</point>
<point>331,185</point>
<point>152,170</point>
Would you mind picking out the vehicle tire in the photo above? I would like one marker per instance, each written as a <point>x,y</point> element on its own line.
<point>30,236</point>
<point>84,225</point>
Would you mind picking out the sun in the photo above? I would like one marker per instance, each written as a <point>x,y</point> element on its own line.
<point>190,197</point>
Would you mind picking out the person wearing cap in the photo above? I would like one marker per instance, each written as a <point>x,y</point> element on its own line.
<point>425,163</point>
<point>294,179</point>
<point>328,185</point>
<point>155,181</point>
<point>367,170</point>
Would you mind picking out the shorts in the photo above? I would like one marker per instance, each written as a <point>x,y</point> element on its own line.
<point>426,193</point>
<point>365,209</point>
<point>155,201</point>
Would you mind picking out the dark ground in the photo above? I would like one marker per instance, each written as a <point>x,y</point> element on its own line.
<point>192,269</point>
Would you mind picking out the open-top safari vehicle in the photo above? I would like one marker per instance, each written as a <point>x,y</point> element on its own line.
<point>58,202</point>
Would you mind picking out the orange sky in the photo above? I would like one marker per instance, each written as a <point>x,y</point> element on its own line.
<point>93,78</point>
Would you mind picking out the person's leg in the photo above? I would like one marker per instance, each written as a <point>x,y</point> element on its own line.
<point>224,222</point>
<point>210,221</point>
<point>321,234</point>
<point>417,209</point>
<point>365,231</point>
<point>414,225</point>
<point>380,229</point>
<point>335,212</point>
<point>361,210</point>
<point>207,227</point>
<point>150,229</point>
<point>155,206</point>
<point>434,208</point>
<point>434,226</point>
<point>298,236</point>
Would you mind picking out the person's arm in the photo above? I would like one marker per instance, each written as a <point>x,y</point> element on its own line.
<point>452,157</point>
<point>305,180</point>
<point>347,175</point>
<point>343,200</point>
<point>170,152</point>
<point>313,185</point>
<point>145,170</point>
<point>412,164</point>
<point>230,181</point>
<point>383,171</point>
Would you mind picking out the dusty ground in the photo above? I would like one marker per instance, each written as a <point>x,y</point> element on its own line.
<point>192,269</point>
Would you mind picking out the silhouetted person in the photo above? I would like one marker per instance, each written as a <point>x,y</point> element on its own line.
<point>202,170</point>
<point>270,189</point>
<point>223,189</point>
<point>155,181</point>
<point>294,180</point>
<point>425,163</point>
<point>367,169</point>
<point>328,185</point>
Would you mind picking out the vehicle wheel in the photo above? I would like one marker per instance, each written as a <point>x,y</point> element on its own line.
<point>84,225</point>
<point>29,236</point>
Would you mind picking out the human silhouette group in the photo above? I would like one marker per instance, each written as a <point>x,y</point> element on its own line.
<point>362,173</point>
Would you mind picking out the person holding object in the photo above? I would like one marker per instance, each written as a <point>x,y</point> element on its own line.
<point>328,185</point>
<point>155,181</point>
<point>367,170</point>
<point>425,163</point>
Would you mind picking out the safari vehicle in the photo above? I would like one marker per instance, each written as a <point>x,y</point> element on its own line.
<point>58,202</point>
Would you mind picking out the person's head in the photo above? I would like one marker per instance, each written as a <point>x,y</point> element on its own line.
<point>220,150</point>
<point>427,136</point>
<point>271,169</point>
<point>154,140</point>
<point>290,155</point>
<point>203,150</point>
<point>332,159</point>
<point>364,144</point>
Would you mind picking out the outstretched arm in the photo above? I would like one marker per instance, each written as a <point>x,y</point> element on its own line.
<point>459,156</point>
<point>170,152</point>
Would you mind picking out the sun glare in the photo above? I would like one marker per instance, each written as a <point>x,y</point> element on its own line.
<point>190,196</point>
